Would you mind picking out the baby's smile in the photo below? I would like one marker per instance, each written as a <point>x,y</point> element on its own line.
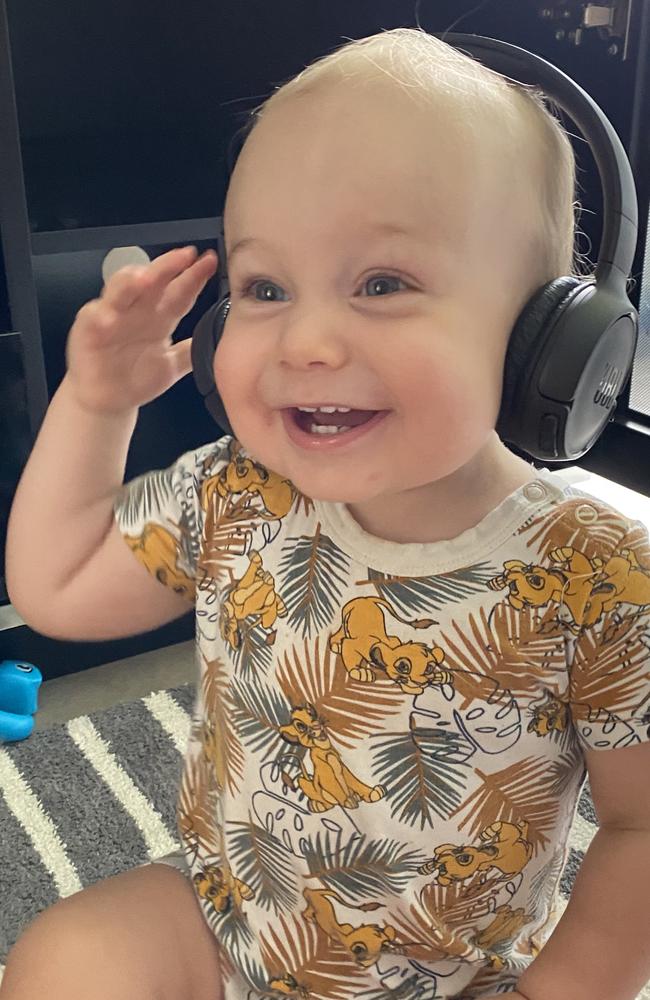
<point>320,429</point>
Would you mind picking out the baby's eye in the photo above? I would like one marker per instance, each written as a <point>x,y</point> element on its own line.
<point>247,289</point>
<point>376,281</point>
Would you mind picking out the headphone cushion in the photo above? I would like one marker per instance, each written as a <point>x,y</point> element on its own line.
<point>202,351</point>
<point>527,331</point>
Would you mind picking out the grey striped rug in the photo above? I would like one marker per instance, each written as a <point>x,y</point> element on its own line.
<point>86,800</point>
<point>94,797</point>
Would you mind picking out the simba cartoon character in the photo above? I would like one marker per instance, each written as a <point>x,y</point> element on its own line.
<point>583,588</point>
<point>243,475</point>
<point>505,926</point>
<point>286,985</point>
<point>363,644</point>
<point>504,847</point>
<point>532,585</point>
<point>217,885</point>
<point>552,714</point>
<point>253,596</point>
<point>621,580</point>
<point>332,783</point>
<point>158,551</point>
<point>364,944</point>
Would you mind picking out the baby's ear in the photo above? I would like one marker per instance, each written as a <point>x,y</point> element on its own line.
<point>289,734</point>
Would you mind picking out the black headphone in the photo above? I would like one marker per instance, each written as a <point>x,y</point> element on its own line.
<point>571,350</point>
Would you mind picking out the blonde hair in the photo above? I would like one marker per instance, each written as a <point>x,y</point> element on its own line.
<point>432,71</point>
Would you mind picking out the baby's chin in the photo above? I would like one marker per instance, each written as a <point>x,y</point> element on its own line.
<point>339,478</point>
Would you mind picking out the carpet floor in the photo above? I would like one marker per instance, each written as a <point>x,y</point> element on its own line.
<point>96,796</point>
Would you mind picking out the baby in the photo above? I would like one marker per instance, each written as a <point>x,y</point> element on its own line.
<point>412,643</point>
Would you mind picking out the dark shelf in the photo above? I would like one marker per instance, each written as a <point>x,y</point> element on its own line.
<point>122,178</point>
<point>136,234</point>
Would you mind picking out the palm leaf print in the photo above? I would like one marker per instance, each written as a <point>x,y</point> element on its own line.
<point>565,770</point>
<point>507,649</point>
<point>196,804</point>
<point>561,527</point>
<point>314,677</point>
<point>219,710</point>
<point>230,525</point>
<point>313,571</point>
<point>447,916</point>
<point>262,863</point>
<point>417,984</point>
<point>544,884</point>
<point>610,668</point>
<point>638,540</point>
<point>365,869</point>
<point>418,770</point>
<point>411,595</point>
<point>258,713</point>
<point>149,498</point>
<point>432,938</point>
<point>521,791</point>
<point>226,965</point>
<point>234,933</point>
<point>252,971</point>
<point>318,964</point>
<point>254,656</point>
<point>430,935</point>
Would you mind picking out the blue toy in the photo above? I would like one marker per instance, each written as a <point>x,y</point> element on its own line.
<point>19,684</point>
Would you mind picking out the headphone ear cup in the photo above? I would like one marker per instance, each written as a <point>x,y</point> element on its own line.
<point>205,339</point>
<point>528,337</point>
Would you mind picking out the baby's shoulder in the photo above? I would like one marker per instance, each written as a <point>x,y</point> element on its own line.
<point>583,521</point>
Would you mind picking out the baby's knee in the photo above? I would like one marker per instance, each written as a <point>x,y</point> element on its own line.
<point>139,934</point>
<point>48,957</point>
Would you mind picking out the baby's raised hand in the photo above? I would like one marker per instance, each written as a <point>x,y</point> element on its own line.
<point>119,352</point>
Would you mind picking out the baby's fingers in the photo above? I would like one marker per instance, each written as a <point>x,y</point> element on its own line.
<point>131,283</point>
<point>180,294</point>
<point>124,288</point>
<point>180,356</point>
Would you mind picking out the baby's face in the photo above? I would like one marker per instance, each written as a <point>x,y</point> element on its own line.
<point>414,323</point>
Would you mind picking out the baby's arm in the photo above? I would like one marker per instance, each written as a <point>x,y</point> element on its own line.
<point>69,572</point>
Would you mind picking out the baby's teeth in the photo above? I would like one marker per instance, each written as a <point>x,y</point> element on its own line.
<point>324,409</point>
<point>324,429</point>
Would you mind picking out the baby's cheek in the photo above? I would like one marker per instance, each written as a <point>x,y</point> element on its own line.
<point>456,408</point>
<point>232,371</point>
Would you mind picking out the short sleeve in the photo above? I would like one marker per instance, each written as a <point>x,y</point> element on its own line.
<point>160,515</point>
<point>610,669</point>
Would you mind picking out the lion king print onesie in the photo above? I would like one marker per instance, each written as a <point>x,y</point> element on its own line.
<point>386,750</point>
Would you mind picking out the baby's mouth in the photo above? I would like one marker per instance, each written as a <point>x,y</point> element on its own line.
<point>353,418</point>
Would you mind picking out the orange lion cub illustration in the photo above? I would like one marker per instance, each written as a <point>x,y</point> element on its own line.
<point>255,598</point>
<point>504,847</point>
<point>158,551</point>
<point>332,783</point>
<point>364,944</point>
<point>217,885</point>
<point>365,646</point>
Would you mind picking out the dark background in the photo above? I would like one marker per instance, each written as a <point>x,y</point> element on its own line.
<point>115,122</point>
